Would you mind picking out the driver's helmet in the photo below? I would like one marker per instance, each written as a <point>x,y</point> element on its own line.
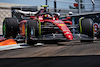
<point>45,7</point>
<point>70,13</point>
<point>57,14</point>
<point>47,16</point>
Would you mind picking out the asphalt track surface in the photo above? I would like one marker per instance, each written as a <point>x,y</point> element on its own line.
<point>69,54</point>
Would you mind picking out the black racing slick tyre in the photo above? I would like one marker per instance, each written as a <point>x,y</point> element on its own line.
<point>98,34</point>
<point>31,31</point>
<point>10,27</point>
<point>87,29</point>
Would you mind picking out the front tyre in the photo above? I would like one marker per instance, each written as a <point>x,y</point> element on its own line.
<point>31,31</point>
<point>86,27</point>
<point>10,27</point>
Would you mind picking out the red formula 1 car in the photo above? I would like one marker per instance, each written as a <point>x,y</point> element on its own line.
<point>38,28</point>
<point>45,26</point>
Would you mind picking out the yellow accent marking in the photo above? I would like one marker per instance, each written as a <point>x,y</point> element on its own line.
<point>80,24</point>
<point>61,24</point>
<point>44,6</point>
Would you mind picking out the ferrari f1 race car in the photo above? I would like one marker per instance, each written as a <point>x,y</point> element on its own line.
<point>44,26</point>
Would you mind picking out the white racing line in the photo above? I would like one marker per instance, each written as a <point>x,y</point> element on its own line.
<point>17,46</point>
<point>14,46</point>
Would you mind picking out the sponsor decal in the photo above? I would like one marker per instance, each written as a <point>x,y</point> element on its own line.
<point>40,18</point>
<point>61,24</point>
<point>96,26</point>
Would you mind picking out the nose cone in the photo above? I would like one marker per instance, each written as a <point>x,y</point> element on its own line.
<point>69,36</point>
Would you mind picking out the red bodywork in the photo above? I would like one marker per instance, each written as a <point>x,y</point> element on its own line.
<point>67,20</point>
<point>62,26</point>
<point>22,27</point>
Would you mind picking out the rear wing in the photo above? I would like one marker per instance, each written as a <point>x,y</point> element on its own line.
<point>24,12</point>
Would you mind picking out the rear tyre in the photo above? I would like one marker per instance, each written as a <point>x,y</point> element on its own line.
<point>31,31</point>
<point>87,29</point>
<point>10,27</point>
